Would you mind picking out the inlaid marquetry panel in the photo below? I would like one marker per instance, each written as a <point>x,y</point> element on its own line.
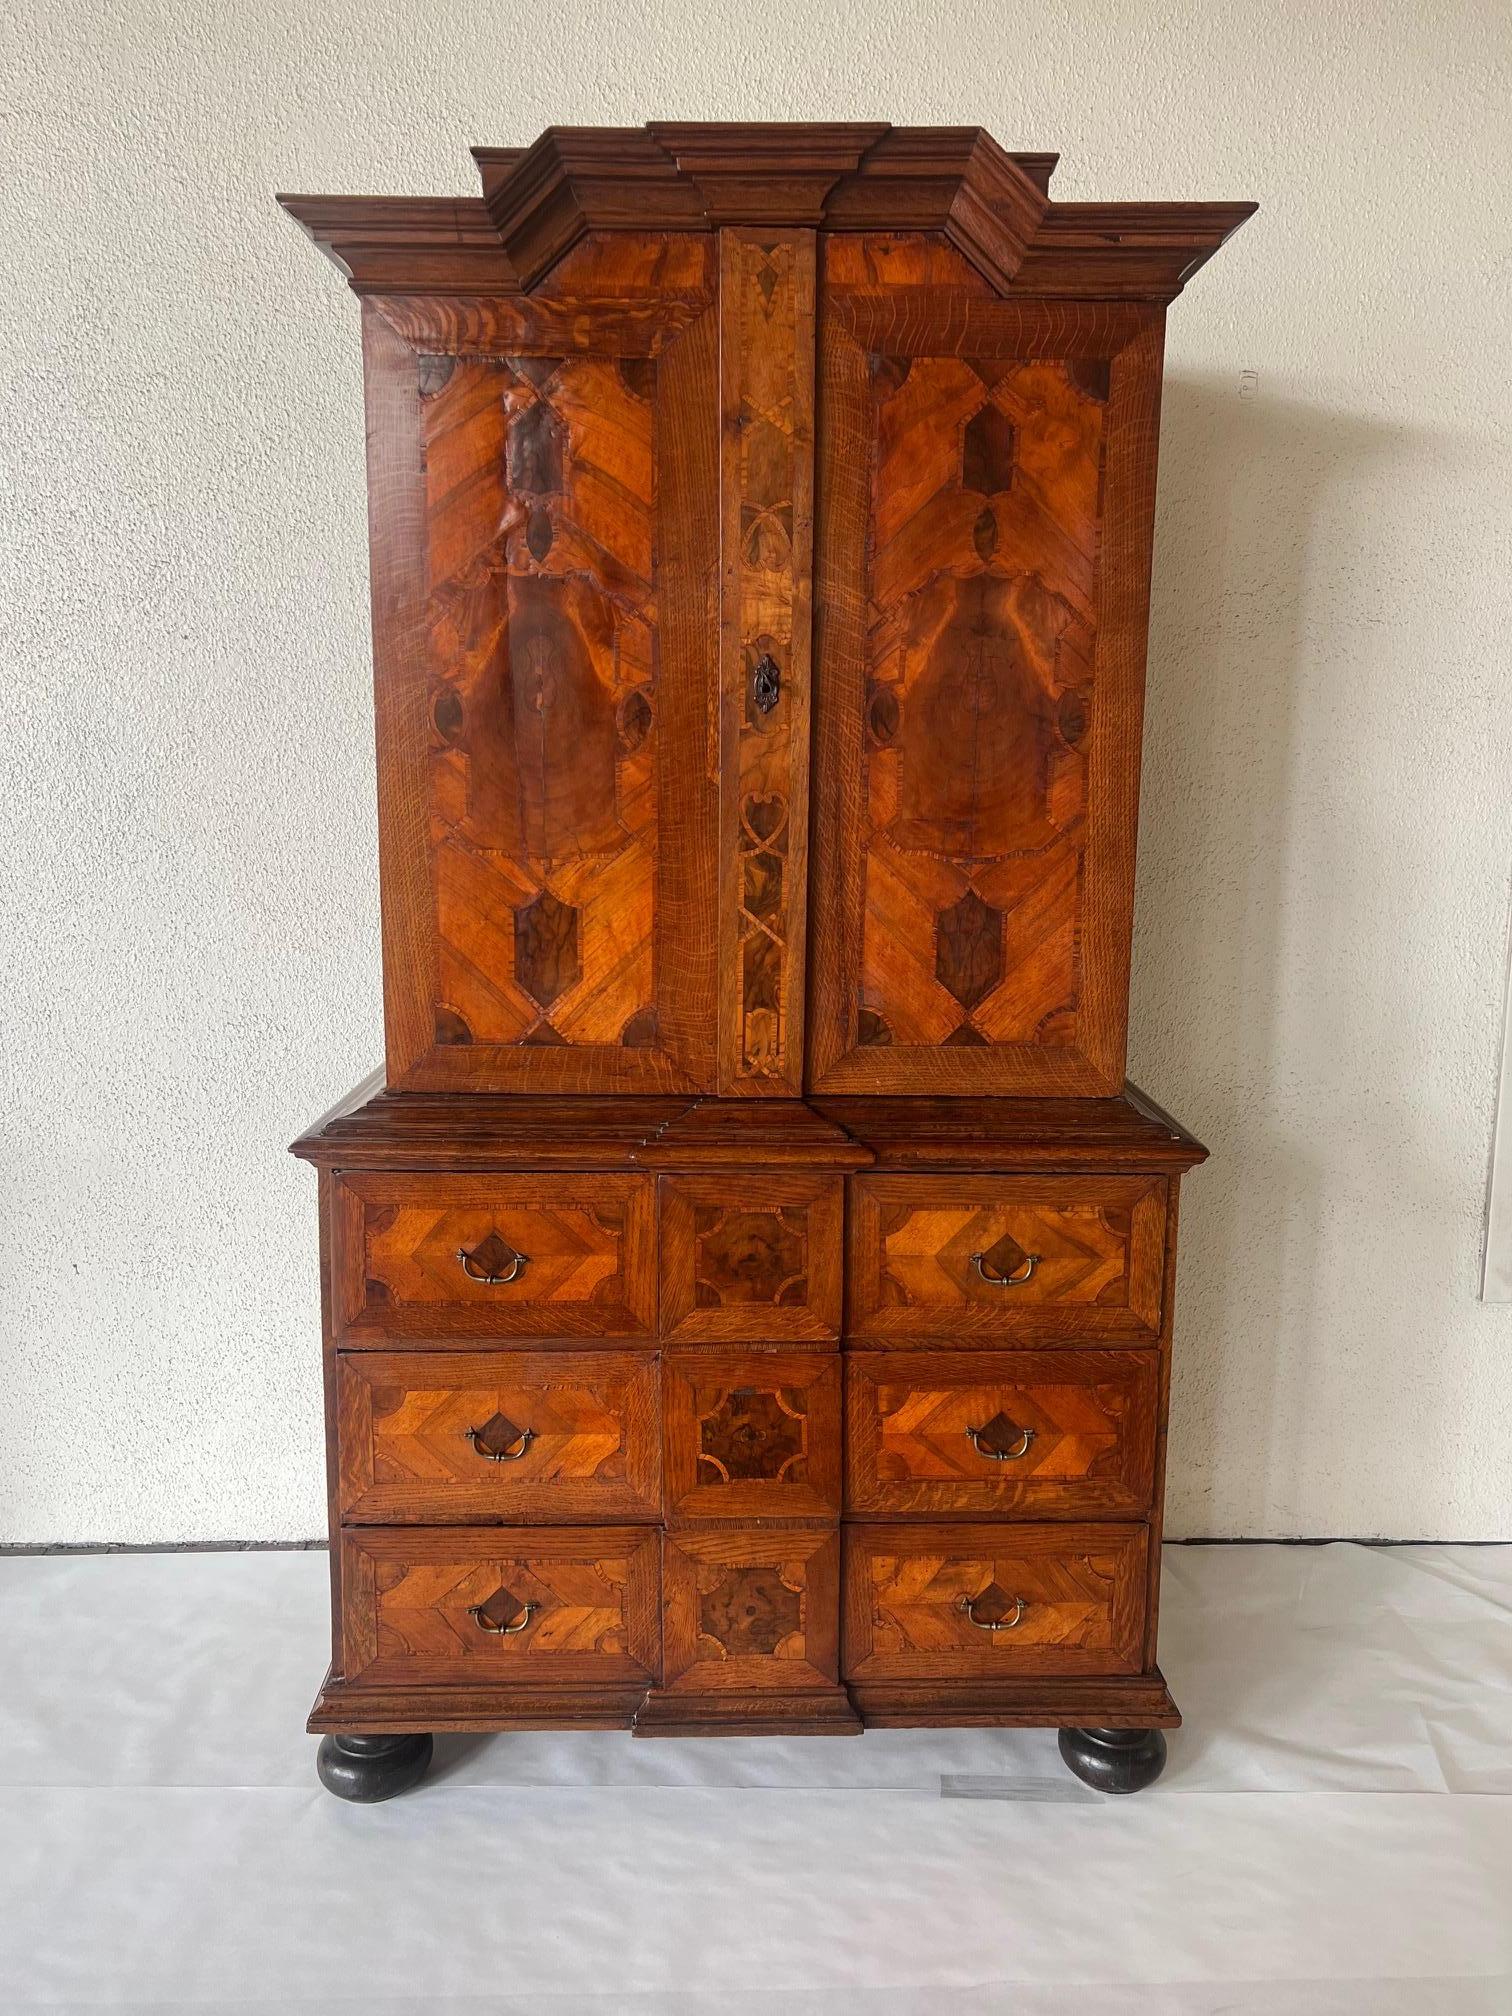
<point>751,1611</point>
<point>980,708</point>
<point>1061,1434</point>
<point>544,525</point>
<point>491,1605</point>
<point>751,1434</point>
<point>462,1256</point>
<point>767,477</point>
<point>936,1602</point>
<point>564,1435</point>
<point>751,1257</point>
<point>1073,1258</point>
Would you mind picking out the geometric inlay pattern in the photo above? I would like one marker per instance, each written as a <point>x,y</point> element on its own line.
<point>541,631</point>
<point>753,1434</point>
<point>760,308</point>
<point>969,949</point>
<point>546,948</point>
<point>985,514</point>
<point>750,1610</point>
<point>749,1256</point>
<point>929,1255</point>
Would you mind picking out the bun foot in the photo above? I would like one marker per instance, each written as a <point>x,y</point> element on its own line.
<point>369,1768</point>
<point>1114,1760</point>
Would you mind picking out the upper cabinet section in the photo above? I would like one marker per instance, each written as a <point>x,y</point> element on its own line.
<point>697,451</point>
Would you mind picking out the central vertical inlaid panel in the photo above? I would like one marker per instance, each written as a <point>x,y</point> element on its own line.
<point>767,413</point>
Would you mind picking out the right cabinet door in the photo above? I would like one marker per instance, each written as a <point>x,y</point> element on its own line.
<point>986,476</point>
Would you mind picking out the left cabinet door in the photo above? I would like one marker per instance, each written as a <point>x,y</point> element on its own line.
<point>544,513</point>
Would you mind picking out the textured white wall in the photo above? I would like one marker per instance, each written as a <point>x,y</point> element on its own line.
<point>190,952</point>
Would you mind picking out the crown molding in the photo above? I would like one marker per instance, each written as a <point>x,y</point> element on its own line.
<point>991,205</point>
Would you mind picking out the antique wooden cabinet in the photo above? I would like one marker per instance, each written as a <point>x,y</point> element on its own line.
<point>748,1283</point>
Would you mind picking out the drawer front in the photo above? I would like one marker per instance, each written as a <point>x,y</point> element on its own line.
<point>1055,1258</point>
<point>486,1606</point>
<point>561,1435</point>
<point>752,1612</point>
<point>1041,1434</point>
<point>974,1602</point>
<point>496,1256</point>
<point>751,1434</point>
<point>751,1257</point>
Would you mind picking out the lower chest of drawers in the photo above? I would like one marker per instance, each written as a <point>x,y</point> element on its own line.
<point>747,1451</point>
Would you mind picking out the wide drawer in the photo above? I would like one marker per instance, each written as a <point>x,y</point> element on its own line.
<point>508,1435</point>
<point>1079,1259</point>
<point>1041,1434</point>
<point>495,1256</point>
<point>974,1602</point>
<point>1047,1434</point>
<point>486,1606</point>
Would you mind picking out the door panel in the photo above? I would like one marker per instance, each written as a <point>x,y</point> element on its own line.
<point>980,692</point>
<point>544,529</point>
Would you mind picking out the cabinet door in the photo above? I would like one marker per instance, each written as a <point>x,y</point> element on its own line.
<point>985,494</point>
<point>544,476</point>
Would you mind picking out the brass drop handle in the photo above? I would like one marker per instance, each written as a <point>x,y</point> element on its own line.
<point>969,1603</point>
<point>1026,1436</point>
<point>1014,1280</point>
<point>512,1454</point>
<point>475,1611</point>
<point>513,1268</point>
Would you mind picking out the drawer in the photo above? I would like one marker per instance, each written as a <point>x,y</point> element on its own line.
<point>752,1612</point>
<point>495,1256</point>
<point>751,1257</point>
<point>486,1606</point>
<point>1042,1434</point>
<point>507,1435</point>
<point>751,1434</point>
<point>1059,1258</point>
<point>974,1602</point>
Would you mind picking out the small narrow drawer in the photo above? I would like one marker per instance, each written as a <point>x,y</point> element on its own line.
<point>1037,1434</point>
<point>450,1257</point>
<point>1074,1259</point>
<point>751,1434</point>
<point>754,1611</point>
<point>486,1606</point>
<point>944,1603</point>
<point>507,1435</point>
<point>751,1257</point>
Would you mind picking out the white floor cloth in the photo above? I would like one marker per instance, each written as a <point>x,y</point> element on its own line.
<point>1327,1837</point>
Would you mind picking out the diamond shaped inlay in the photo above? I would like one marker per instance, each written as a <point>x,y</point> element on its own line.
<point>546,948</point>
<point>999,1433</point>
<point>497,1434</point>
<point>987,452</point>
<point>501,1608</point>
<point>969,949</point>
<point>994,1605</point>
<point>1004,1257</point>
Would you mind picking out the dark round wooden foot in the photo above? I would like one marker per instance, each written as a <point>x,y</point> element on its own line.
<point>1114,1760</point>
<point>369,1768</point>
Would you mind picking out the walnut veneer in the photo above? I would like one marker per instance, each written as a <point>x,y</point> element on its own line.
<point>748,1283</point>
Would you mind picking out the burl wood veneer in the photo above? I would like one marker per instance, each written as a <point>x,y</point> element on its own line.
<point>748,1282</point>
